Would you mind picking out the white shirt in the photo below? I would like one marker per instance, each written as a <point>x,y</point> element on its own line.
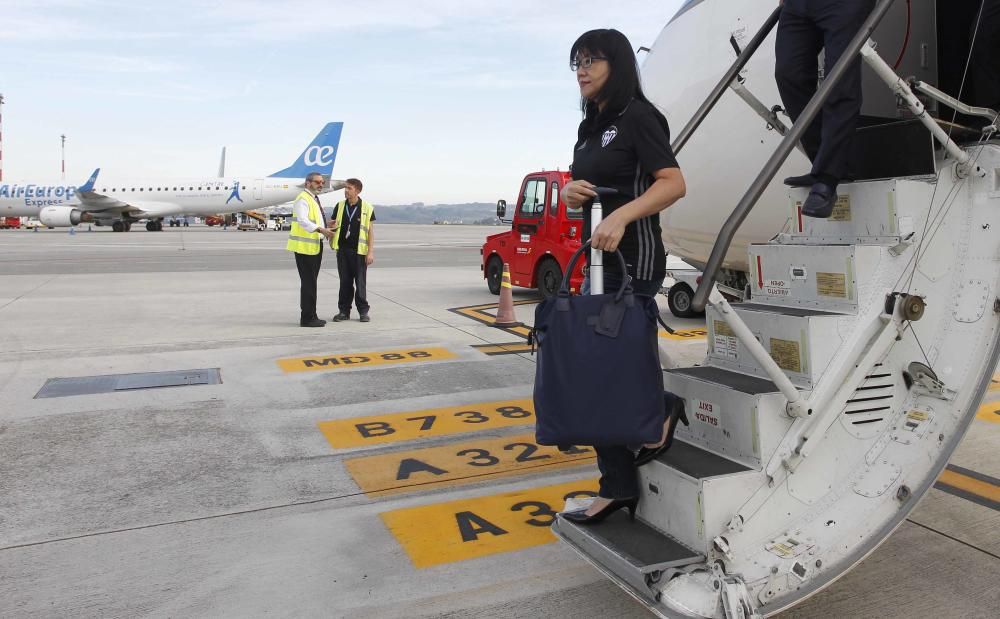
<point>301,212</point>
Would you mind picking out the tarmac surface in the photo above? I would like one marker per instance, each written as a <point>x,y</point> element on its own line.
<point>326,474</point>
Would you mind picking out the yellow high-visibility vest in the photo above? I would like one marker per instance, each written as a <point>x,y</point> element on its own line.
<point>366,218</point>
<point>300,241</point>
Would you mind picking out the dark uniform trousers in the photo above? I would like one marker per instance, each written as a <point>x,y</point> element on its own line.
<point>308,267</point>
<point>353,281</point>
<point>805,28</point>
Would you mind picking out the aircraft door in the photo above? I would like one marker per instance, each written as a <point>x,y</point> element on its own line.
<point>528,229</point>
<point>258,190</point>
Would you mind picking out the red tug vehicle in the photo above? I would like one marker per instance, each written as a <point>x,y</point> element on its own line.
<point>543,236</point>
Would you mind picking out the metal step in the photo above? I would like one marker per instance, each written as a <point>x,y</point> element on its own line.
<point>692,493</point>
<point>802,341</point>
<point>867,213</point>
<point>634,552</point>
<point>829,278</point>
<point>733,415</point>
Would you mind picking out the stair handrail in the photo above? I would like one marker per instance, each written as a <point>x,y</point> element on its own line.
<point>723,84</point>
<point>750,198</point>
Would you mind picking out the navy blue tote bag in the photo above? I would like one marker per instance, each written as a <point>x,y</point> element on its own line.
<point>597,377</point>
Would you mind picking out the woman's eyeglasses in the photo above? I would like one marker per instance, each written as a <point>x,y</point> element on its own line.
<point>585,62</point>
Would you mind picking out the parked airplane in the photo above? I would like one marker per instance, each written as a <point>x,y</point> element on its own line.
<point>829,404</point>
<point>120,203</point>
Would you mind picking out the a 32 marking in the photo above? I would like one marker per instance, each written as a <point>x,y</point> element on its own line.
<point>464,463</point>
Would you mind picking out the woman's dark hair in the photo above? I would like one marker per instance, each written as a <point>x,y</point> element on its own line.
<point>623,83</point>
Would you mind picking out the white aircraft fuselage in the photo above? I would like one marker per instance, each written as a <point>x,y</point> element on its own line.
<point>119,202</point>
<point>159,197</point>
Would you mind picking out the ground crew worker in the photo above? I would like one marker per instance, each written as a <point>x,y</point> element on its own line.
<point>354,243</point>
<point>305,239</point>
<point>806,27</point>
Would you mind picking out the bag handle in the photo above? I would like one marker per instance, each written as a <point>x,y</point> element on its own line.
<point>626,280</point>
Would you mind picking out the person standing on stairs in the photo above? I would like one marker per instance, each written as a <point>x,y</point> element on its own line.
<point>804,28</point>
<point>623,142</point>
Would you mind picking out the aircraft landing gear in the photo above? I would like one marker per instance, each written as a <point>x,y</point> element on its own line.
<point>154,226</point>
<point>121,226</point>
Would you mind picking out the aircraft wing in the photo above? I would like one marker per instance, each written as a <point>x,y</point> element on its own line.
<point>97,203</point>
<point>93,201</point>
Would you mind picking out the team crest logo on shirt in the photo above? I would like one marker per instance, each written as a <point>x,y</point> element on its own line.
<point>609,135</point>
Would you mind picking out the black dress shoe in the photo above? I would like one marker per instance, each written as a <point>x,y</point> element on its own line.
<point>365,318</point>
<point>581,517</point>
<point>677,414</point>
<point>806,180</point>
<point>314,322</point>
<point>820,202</point>
<point>341,317</point>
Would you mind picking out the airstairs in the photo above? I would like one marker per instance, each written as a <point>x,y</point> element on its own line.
<point>827,404</point>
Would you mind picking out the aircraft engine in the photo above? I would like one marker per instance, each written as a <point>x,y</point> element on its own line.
<point>61,216</point>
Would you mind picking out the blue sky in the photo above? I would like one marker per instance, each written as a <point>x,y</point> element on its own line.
<point>443,101</point>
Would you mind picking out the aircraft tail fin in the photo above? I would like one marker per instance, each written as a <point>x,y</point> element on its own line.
<point>222,163</point>
<point>319,156</point>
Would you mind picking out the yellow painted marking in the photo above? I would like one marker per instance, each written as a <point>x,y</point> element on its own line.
<point>395,427</point>
<point>470,528</point>
<point>457,464</point>
<point>503,349</point>
<point>364,359</point>
<point>475,312</point>
<point>990,411</point>
<point>971,485</point>
<point>684,334</point>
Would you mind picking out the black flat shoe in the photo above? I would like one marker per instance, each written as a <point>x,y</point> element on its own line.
<point>341,317</point>
<point>820,202</point>
<point>677,414</point>
<point>315,322</point>
<point>581,517</point>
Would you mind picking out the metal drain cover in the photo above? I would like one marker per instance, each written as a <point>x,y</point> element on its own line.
<point>86,385</point>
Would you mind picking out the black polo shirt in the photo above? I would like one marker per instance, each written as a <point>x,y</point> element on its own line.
<point>352,214</point>
<point>623,155</point>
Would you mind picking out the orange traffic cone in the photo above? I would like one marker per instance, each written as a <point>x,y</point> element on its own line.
<point>505,313</point>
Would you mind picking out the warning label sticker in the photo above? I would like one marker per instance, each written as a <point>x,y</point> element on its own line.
<point>841,209</point>
<point>724,342</point>
<point>786,354</point>
<point>831,285</point>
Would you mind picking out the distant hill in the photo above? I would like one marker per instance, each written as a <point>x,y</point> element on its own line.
<point>479,213</point>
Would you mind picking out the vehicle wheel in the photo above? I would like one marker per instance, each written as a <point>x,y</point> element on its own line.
<point>128,227</point>
<point>150,226</point>
<point>494,271</point>
<point>549,278</point>
<point>118,226</point>
<point>679,300</point>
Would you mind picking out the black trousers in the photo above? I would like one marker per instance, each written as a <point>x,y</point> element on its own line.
<point>619,475</point>
<point>353,281</point>
<point>308,267</point>
<point>805,28</point>
<point>984,70</point>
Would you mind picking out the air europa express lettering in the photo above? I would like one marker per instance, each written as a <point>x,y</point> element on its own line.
<point>37,191</point>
